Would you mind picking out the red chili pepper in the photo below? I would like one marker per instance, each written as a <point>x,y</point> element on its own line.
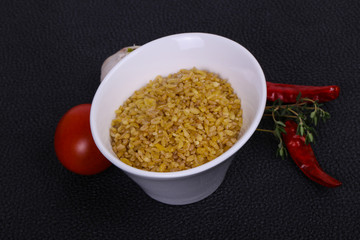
<point>288,93</point>
<point>304,157</point>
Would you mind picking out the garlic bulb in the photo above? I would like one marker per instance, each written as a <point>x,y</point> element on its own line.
<point>111,61</point>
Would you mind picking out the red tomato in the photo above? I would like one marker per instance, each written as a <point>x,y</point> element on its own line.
<point>74,144</point>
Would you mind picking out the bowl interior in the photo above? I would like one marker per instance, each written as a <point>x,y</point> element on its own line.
<point>168,55</point>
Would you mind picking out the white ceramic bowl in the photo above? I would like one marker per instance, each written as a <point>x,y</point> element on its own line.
<point>168,55</point>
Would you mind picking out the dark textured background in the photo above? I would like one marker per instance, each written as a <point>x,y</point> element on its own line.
<point>50,58</point>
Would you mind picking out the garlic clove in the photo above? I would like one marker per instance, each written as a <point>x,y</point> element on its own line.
<point>111,61</point>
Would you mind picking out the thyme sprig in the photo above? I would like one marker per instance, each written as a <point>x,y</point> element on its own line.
<point>306,112</point>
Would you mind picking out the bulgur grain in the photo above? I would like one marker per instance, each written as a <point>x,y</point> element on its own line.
<point>177,122</point>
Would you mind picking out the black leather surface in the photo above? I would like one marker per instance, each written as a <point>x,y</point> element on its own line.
<point>50,58</point>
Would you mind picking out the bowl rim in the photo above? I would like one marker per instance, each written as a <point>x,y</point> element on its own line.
<point>204,167</point>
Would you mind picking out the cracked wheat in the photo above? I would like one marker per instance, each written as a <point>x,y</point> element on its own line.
<point>177,122</point>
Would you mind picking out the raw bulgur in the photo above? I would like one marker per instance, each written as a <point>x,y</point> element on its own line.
<point>177,122</point>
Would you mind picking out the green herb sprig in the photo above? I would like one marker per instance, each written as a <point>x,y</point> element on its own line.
<point>306,112</point>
